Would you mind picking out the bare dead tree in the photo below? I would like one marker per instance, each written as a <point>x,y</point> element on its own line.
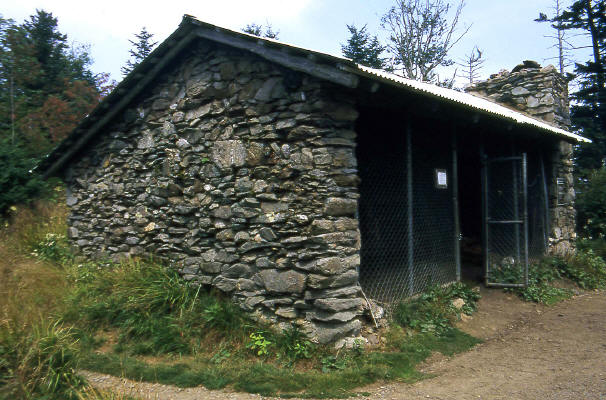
<point>561,43</point>
<point>472,63</point>
<point>421,34</point>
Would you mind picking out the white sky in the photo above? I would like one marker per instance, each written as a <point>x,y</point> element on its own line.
<point>503,29</point>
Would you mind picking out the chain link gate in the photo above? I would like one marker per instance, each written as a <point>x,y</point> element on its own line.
<point>505,218</point>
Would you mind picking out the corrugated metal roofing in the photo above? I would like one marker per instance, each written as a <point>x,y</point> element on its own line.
<point>471,101</point>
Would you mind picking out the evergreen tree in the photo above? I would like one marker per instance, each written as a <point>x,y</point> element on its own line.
<point>46,87</point>
<point>257,30</point>
<point>17,183</point>
<point>142,47</point>
<point>363,49</point>
<point>588,112</point>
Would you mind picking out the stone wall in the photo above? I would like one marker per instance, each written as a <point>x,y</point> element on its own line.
<point>243,175</point>
<point>539,92</point>
<point>542,93</point>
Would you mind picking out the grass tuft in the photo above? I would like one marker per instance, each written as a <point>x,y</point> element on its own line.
<point>433,311</point>
<point>153,308</point>
<point>585,269</point>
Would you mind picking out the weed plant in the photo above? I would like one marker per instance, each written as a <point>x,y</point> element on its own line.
<point>90,393</point>
<point>152,308</point>
<point>585,269</point>
<point>598,246</point>
<point>433,310</point>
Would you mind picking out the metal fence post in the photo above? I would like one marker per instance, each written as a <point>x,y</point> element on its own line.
<point>410,199</point>
<point>525,189</point>
<point>455,202</point>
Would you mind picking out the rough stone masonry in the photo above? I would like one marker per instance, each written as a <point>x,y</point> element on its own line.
<point>243,175</point>
<point>542,93</point>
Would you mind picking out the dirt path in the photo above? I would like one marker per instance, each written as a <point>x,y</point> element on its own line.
<point>530,352</point>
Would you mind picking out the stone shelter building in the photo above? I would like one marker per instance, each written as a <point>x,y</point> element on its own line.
<point>298,182</point>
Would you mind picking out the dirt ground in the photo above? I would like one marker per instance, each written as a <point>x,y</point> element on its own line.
<point>530,352</point>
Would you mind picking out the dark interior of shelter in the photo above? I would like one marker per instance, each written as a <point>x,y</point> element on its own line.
<point>470,207</point>
<point>408,224</point>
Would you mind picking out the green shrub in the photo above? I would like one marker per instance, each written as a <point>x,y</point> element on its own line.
<point>586,269</point>
<point>259,344</point>
<point>598,246</point>
<point>18,184</point>
<point>54,248</point>
<point>540,287</point>
<point>223,315</point>
<point>591,205</point>
<point>153,308</point>
<point>433,311</point>
<point>294,344</point>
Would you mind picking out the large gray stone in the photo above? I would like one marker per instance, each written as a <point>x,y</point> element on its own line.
<point>223,212</point>
<point>287,312</point>
<point>228,153</point>
<point>326,316</point>
<point>338,305</point>
<point>518,91</point>
<point>336,206</point>
<point>238,271</point>
<point>328,332</point>
<point>283,282</point>
<point>315,281</point>
<point>146,141</point>
<point>331,266</point>
<point>225,284</point>
<point>198,112</point>
<point>255,154</point>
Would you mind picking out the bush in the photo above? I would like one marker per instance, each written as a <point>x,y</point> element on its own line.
<point>53,248</point>
<point>585,269</point>
<point>596,245</point>
<point>433,310</point>
<point>17,183</point>
<point>591,205</point>
<point>153,308</point>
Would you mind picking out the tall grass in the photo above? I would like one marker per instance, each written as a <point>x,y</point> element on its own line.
<point>154,310</point>
<point>38,353</point>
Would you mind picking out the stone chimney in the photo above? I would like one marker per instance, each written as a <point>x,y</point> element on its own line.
<point>541,92</point>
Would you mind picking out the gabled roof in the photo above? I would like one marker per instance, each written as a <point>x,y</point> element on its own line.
<point>338,70</point>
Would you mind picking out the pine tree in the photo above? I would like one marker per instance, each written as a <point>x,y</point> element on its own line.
<point>364,49</point>
<point>142,47</point>
<point>257,30</point>
<point>46,87</point>
<point>588,112</point>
